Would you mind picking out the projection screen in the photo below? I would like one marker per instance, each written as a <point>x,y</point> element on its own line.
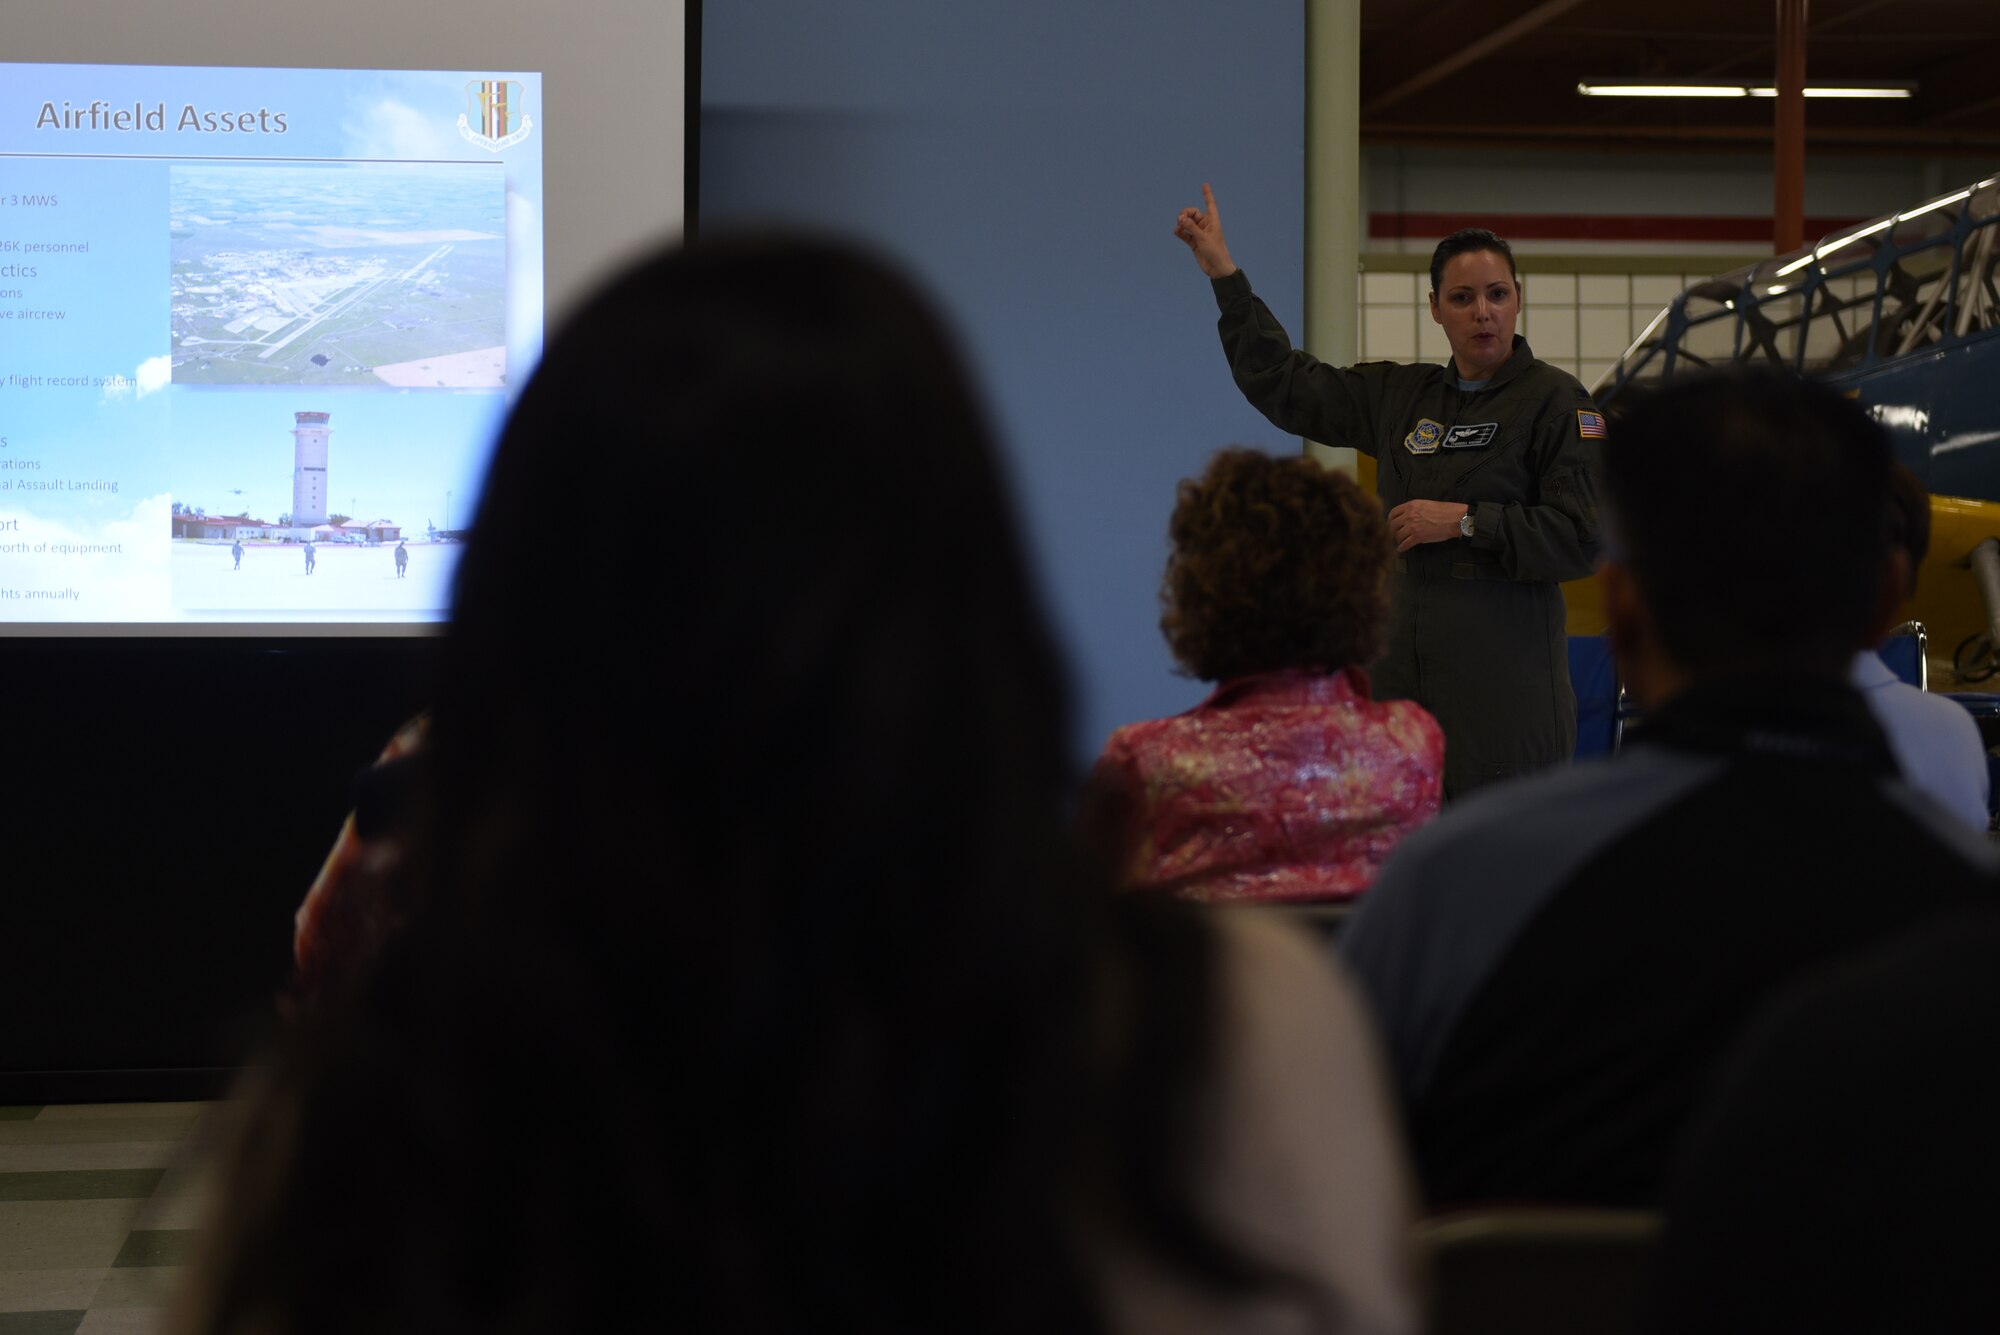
<point>270,278</point>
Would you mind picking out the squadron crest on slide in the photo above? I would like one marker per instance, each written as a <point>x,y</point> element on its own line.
<point>497,107</point>
<point>1424,440</point>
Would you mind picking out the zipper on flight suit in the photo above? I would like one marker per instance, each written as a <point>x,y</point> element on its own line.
<point>1460,400</point>
<point>1489,451</point>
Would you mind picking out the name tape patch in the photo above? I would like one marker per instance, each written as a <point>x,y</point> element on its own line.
<point>1471,436</point>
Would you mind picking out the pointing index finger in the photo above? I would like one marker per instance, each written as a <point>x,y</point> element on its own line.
<point>1208,198</point>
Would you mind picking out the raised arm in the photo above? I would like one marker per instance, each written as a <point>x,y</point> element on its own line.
<point>1295,390</point>
<point>1201,229</point>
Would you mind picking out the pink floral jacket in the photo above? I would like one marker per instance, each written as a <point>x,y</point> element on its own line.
<point>1280,786</point>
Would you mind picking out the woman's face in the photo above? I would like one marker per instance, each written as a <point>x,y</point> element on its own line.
<point>1478,303</point>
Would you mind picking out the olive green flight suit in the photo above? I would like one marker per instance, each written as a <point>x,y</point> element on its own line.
<point>1476,631</point>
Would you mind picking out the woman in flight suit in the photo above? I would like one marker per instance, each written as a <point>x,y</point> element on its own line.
<point>1483,466</point>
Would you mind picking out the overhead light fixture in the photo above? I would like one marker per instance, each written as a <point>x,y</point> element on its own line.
<point>1612,88</point>
<point>1692,88</point>
<point>1876,90</point>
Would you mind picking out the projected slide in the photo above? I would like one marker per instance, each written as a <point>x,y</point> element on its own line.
<point>258,331</point>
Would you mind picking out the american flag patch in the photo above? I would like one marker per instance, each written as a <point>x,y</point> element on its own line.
<point>1589,425</point>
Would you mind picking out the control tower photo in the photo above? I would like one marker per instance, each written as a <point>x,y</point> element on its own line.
<point>309,468</point>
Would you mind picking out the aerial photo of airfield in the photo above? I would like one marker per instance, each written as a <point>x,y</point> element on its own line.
<point>348,582</point>
<point>386,275</point>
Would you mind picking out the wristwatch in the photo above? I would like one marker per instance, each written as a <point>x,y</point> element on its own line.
<point>1465,523</point>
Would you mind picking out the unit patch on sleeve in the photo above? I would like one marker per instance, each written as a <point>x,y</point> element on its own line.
<point>1471,436</point>
<point>1424,440</point>
<point>1589,425</point>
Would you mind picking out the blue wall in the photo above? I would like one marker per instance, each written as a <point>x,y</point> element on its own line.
<point>1026,160</point>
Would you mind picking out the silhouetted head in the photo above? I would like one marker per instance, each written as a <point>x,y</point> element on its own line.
<point>1747,509</point>
<point>785,758</point>
<point>809,598</point>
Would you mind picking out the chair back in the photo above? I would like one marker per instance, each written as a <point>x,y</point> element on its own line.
<point>1531,1270</point>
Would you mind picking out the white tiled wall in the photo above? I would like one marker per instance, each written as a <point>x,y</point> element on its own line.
<point>1580,322</point>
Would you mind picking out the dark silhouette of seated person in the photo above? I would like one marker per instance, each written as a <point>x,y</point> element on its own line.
<point>1841,1175</point>
<point>794,908</point>
<point>1556,966</point>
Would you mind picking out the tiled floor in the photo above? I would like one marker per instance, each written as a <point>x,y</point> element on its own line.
<point>98,1206</point>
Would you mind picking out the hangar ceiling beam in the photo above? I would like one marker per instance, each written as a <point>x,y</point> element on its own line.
<point>1758,58</point>
<point>1456,17</point>
<point>1959,87</point>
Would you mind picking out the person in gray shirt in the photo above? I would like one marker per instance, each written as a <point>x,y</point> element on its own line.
<point>1556,964</point>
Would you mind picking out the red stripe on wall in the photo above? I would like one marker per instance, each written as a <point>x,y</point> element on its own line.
<point>1592,227</point>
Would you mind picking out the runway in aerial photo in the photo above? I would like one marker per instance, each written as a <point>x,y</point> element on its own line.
<point>346,274</point>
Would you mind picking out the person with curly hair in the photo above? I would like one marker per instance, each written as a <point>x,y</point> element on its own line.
<point>1288,783</point>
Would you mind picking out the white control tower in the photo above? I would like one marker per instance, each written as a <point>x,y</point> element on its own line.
<point>309,469</point>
